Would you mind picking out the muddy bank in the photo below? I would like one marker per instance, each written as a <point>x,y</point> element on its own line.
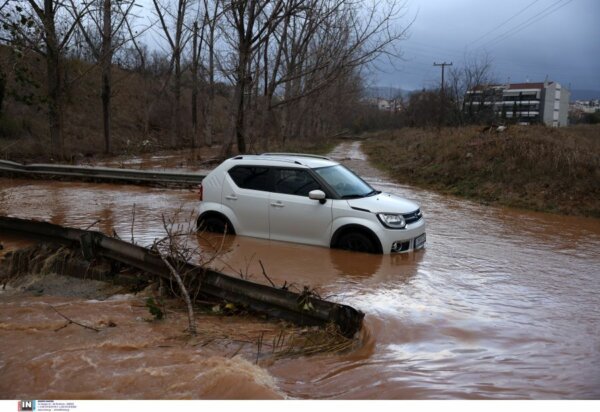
<point>532,167</point>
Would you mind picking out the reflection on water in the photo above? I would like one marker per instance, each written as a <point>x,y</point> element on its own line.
<point>501,304</point>
<point>308,265</point>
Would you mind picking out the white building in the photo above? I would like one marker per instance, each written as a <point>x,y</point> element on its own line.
<point>385,105</point>
<point>546,102</point>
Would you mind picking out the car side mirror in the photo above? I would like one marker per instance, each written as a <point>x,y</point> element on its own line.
<point>317,195</point>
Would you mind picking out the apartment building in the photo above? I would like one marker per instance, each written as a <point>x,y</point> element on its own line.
<point>527,103</point>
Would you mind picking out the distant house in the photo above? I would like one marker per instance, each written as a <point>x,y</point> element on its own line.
<point>386,105</point>
<point>581,110</point>
<point>544,102</point>
<point>586,106</point>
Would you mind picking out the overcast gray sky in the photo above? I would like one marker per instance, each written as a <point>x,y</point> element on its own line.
<point>526,40</point>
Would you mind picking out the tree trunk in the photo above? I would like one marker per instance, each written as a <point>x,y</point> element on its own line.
<point>208,115</point>
<point>239,116</point>
<point>210,101</point>
<point>2,90</point>
<point>238,98</point>
<point>177,109</point>
<point>54,78</point>
<point>194,84</point>
<point>107,54</point>
<point>55,105</point>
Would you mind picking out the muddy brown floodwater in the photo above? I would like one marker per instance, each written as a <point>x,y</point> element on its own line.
<point>502,304</point>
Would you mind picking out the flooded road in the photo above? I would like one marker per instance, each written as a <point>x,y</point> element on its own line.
<point>501,304</point>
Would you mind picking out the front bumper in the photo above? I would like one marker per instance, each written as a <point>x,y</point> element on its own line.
<point>412,237</point>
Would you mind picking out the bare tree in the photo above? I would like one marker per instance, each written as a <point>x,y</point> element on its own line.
<point>106,54</point>
<point>176,35</point>
<point>46,27</point>
<point>329,42</point>
<point>251,22</point>
<point>467,86</point>
<point>423,108</point>
<point>150,66</point>
<point>99,37</point>
<point>292,64</point>
<point>198,40</point>
<point>211,21</point>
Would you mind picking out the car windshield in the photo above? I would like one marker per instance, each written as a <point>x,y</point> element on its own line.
<point>346,184</point>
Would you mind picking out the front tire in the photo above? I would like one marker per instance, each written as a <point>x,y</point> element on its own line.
<point>357,242</point>
<point>214,224</point>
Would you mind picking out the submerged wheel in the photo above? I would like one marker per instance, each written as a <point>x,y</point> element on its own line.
<point>214,224</point>
<point>357,242</point>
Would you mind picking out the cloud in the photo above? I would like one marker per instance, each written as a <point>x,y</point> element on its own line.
<point>526,40</point>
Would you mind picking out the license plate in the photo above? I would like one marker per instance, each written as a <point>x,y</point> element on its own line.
<point>420,241</point>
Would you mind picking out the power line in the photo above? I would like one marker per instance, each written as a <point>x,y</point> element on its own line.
<point>504,22</point>
<point>418,57</point>
<point>518,28</point>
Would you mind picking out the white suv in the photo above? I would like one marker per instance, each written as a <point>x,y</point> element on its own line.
<point>307,199</point>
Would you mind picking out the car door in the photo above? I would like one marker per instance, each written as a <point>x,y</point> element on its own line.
<point>246,192</point>
<point>293,217</point>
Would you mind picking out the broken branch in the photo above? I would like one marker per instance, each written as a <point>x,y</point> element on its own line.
<point>69,321</point>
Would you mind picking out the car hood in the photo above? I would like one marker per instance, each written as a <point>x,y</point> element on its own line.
<point>384,203</point>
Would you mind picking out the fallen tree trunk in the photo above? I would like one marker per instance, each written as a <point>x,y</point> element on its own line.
<point>300,308</point>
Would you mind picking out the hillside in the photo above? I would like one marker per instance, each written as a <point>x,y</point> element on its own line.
<point>141,110</point>
<point>144,110</point>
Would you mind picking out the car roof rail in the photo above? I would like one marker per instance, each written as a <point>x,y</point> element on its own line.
<point>296,154</point>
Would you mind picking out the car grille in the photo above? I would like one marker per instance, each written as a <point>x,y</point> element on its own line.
<point>413,217</point>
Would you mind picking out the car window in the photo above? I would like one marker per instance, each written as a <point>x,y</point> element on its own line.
<point>347,184</point>
<point>294,182</point>
<point>252,177</point>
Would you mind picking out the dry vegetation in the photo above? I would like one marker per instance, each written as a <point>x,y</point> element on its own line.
<point>141,119</point>
<point>534,167</point>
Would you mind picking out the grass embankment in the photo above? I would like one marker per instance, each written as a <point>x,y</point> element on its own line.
<point>533,167</point>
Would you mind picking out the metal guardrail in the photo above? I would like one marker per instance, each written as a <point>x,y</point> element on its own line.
<point>99,174</point>
<point>302,309</point>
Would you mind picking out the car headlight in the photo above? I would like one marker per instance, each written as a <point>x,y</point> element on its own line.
<point>392,220</point>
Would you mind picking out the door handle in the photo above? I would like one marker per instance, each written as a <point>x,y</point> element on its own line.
<point>277,204</point>
<point>231,197</point>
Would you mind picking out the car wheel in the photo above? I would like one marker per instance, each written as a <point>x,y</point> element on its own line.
<point>357,242</point>
<point>214,224</point>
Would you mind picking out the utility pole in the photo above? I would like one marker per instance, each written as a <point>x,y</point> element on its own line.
<point>442,94</point>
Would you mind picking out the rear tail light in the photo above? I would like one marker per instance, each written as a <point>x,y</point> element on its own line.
<point>200,192</point>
